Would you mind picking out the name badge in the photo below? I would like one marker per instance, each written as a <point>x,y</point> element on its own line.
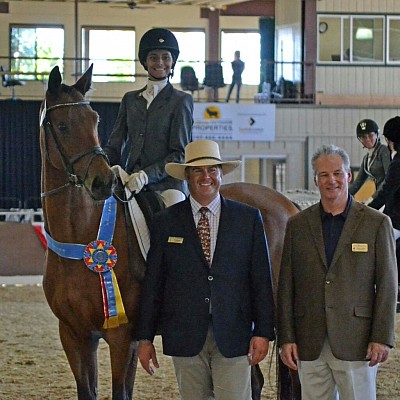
<point>359,247</point>
<point>174,239</point>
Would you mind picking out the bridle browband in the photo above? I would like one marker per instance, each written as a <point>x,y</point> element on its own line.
<point>68,163</point>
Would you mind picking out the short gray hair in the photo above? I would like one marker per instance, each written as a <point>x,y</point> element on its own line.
<point>329,150</point>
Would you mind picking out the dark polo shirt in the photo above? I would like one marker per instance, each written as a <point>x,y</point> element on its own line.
<point>332,226</point>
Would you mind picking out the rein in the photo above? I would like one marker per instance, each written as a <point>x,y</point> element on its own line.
<point>68,163</point>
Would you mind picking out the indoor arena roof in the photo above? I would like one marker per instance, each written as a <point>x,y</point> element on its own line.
<point>210,4</point>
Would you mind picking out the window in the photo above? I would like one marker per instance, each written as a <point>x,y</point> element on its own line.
<point>265,170</point>
<point>279,167</point>
<point>393,34</point>
<point>367,39</point>
<point>36,50</point>
<point>333,32</point>
<point>248,43</point>
<point>288,52</point>
<point>351,39</point>
<point>112,52</point>
<point>192,52</point>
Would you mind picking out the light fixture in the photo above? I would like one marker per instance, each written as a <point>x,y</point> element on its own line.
<point>364,34</point>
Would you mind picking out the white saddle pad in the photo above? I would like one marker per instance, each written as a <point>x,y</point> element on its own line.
<point>137,217</point>
<point>139,224</point>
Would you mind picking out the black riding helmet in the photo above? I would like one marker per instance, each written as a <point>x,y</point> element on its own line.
<point>391,130</point>
<point>158,39</point>
<point>366,126</point>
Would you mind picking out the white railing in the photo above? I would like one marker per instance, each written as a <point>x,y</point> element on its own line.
<point>27,216</point>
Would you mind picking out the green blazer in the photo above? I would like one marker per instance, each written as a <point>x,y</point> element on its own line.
<point>354,301</point>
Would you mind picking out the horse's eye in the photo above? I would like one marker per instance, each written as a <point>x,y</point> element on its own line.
<point>62,127</point>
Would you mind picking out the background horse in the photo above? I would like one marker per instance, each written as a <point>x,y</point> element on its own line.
<point>76,181</point>
<point>275,210</point>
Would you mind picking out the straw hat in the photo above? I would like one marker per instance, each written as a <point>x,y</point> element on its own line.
<point>199,154</point>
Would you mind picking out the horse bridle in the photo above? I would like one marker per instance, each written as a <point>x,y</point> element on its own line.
<point>68,164</point>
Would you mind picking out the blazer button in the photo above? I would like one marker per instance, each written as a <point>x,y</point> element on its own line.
<point>207,300</point>
<point>210,278</point>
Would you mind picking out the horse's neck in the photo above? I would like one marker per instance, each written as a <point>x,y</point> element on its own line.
<point>72,216</point>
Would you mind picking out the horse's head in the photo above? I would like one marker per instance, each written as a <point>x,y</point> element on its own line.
<point>69,137</point>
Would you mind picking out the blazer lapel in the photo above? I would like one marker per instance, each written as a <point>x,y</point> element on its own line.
<point>137,103</point>
<point>315,224</point>
<point>353,219</point>
<point>224,225</point>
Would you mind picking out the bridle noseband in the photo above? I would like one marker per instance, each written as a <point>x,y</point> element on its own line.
<point>68,163</point>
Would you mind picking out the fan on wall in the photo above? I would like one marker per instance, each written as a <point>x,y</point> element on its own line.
<point>130,4</point>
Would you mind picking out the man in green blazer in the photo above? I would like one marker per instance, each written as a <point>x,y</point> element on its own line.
<point>337,289</point>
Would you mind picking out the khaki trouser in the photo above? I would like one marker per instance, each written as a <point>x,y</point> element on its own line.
<point>328,378</point>
<point>210,375</point>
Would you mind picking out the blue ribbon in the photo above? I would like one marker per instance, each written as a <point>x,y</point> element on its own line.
<point>106,233</point>
<point>75,251</point>
<point>66,250</point>
<point>107,223</point>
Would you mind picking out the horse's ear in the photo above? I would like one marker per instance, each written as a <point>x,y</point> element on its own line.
<point>54,80</point>
<point>85,81</point>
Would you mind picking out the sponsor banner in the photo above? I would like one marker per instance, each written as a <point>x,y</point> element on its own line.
<point>244,122</point>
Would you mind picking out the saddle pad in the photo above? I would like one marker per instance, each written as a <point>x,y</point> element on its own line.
<point>139,224</point>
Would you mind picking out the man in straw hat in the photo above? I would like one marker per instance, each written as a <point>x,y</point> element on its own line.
<point>213,303</point>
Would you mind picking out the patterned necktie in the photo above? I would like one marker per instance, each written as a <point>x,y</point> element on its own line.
<point>203,229</point>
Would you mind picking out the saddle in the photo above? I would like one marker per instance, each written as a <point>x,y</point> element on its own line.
<point>150,203</point>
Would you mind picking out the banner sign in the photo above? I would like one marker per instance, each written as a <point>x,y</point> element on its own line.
<point>244,122</point>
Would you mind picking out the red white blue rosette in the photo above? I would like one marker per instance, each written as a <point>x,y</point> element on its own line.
<point>100,256</point>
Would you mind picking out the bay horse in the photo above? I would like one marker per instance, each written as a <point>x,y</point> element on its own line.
<point>94,266</point>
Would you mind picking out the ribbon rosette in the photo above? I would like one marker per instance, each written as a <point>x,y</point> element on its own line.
<point>100,256</point>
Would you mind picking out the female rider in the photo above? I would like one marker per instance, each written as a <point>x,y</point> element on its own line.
<point>375,163</point>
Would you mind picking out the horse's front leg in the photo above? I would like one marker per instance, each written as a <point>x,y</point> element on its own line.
<point>82,357</point>
<point>123,355</point>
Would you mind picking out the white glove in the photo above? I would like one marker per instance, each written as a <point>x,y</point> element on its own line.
<point>136,181</point>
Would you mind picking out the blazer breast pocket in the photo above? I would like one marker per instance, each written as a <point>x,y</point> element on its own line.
<point>362,311</point>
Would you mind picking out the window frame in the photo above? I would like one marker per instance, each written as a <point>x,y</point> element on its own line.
<point>34,75</point>
<point>87,60</point>
<point>198,65</point>
<point>350,61</point>
<point>388,39</point>
<point>226,64</point>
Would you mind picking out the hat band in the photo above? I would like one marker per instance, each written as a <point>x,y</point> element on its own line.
<point>203,158</point>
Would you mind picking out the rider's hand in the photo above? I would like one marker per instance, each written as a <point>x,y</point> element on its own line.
<point>136,181</point>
